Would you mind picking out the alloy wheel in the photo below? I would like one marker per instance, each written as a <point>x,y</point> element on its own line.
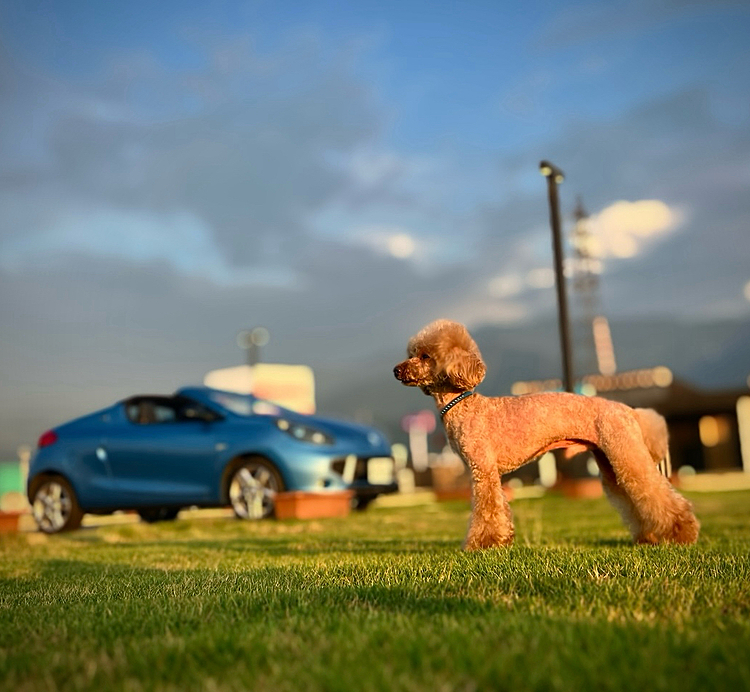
<point>53,506</point>
<point>252,490</point>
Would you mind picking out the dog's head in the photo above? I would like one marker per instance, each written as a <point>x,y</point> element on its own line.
<point>442,358</point>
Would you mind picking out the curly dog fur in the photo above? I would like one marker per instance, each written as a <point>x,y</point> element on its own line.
<point>497,435</point>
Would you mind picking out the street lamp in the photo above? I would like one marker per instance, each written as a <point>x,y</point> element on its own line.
<point>554,178</point>
<point>251,341</point>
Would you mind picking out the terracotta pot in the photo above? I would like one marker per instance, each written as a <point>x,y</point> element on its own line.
<point>303,505</point>
<point>448,494</point>
<point>450,478</point>
<point>581,487</point>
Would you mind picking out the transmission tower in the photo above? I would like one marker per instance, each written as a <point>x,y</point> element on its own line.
<point>586,270</point>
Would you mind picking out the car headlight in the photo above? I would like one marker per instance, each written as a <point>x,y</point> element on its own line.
<point>304,433</point>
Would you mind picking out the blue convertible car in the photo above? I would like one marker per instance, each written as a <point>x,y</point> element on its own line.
<point>199,447</point>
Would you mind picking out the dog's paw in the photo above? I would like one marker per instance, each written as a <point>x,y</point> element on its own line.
<point>683,529</point>
<point>487,540</point>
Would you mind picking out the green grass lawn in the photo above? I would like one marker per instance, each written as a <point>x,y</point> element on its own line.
<point>382,600</point>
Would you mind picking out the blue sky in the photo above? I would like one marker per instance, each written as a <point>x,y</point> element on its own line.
<point>171,173</point>
<point>447,70</point>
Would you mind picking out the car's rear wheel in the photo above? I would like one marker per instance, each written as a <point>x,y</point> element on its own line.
<point>55,506</point>
<point>155,514</point>
<point>253,484</point>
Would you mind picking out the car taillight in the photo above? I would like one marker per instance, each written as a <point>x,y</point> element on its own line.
<point>47,439</point>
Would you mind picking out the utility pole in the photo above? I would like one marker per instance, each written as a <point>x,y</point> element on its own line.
<point>554,177</point>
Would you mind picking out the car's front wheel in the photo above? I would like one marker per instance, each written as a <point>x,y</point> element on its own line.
<point>362,503</point>
<point>54,505</point>
<point>253,484</point>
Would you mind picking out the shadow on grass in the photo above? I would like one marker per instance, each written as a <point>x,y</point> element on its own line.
<point>280,546</point>
<point>265,591</point>
<point>612,543</point>
<point>136,536</point>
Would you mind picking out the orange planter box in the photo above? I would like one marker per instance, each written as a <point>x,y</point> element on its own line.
<point>303,505</point>
<point>589,488</point>
<point>9,521</point>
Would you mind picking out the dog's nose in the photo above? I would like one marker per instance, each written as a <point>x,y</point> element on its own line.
<point>397,371</point>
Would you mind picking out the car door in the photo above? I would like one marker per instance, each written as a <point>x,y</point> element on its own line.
<point>164,456</point>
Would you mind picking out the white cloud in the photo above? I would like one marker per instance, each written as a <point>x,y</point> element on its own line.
<point>395,241</point>
<point>477,311</point>
<point>370,168</point>
<point>180,239</point>
<point>541,277</point>
<point>625,229</point>
<point>505,285</point>
<point>401,245</point>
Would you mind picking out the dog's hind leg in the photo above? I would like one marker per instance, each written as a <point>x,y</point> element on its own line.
<point>653,510</point>
<point>617,497</point>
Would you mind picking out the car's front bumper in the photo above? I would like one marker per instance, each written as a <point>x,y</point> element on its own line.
<point>366,491</point>
<point>368,477</point>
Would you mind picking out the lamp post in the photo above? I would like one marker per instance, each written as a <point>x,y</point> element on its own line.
<point>251,341</point>
<point>554,177</point>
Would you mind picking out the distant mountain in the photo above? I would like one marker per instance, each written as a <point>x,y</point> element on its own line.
<point>709,355</point>
<point>726,367</point>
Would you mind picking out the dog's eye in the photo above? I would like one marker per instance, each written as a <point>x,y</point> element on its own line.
<point>424,356</point>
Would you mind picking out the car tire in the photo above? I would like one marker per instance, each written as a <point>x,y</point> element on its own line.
<point>54,505</point>
<point>156,514</point>
<point>252,486</point>
<point>362,503</point>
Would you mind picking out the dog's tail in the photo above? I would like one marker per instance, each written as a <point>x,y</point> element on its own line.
<point>656,437</point>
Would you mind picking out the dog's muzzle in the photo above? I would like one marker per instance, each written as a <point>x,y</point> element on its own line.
<point>405,375</point>
<point>401,371</point>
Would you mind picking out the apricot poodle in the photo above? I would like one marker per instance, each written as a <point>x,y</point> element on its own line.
<point>495,435</point>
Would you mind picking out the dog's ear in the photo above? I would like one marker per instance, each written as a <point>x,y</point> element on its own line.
<point>464,370</point>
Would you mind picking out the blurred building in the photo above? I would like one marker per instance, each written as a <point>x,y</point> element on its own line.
<point>290,386</point>
<point>709,431</point>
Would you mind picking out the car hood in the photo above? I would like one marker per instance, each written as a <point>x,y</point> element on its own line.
<point>366,437</point>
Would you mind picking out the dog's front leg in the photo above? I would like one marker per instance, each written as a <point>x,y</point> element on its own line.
<point>491,521</point>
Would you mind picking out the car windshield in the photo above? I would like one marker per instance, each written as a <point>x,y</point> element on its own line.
<point>244,404</point>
